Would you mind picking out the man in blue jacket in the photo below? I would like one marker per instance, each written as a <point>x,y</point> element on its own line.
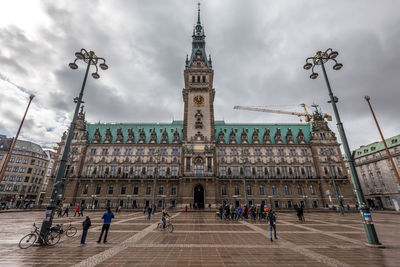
<point>107,217</point>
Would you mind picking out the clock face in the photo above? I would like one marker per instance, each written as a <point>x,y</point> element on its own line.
<point>198,100</point>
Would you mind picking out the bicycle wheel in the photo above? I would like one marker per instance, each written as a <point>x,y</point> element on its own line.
<point>159,227</point>
<point>170,228</point>
<point>27,241</point>
<point>71,231</point>
<point>53,238</point>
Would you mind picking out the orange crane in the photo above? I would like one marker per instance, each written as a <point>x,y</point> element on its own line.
<point>305,114</point>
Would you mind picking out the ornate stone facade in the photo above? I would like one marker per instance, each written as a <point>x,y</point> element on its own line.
<point>376,174</point>
<point>202,161</point>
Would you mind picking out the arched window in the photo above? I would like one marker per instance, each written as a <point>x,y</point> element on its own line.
<point>287,190</point>
<point>193,79</point>
<point>173,190</point>
<point>237,191</point>
<point>223,190</point>
<point>148,189</point>
<point>249,191</point>
<point>136,189</point>
<point>85,189</point>
<point>274,190</point>
<point>161,190</point>
<point>198,79</point>
<point>204,79</point>
<point>300,190</point>
<point>312,190</point>
<point>198,166</point>
<point>262,191</point>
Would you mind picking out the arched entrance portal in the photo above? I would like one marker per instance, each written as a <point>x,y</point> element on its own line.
<point>198,196</point>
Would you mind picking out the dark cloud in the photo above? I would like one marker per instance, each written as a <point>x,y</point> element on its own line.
<point>258,50</point>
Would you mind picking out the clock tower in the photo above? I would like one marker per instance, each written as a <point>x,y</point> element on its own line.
<point>198,94</point>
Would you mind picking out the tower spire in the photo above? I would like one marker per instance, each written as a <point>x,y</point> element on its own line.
<point>198,14</point>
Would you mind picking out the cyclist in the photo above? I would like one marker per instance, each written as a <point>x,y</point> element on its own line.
<point>164,215</point>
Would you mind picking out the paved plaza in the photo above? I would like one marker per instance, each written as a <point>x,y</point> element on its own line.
<point>200,239</point>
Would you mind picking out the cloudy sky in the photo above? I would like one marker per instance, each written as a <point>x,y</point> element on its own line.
<point>258,50</point>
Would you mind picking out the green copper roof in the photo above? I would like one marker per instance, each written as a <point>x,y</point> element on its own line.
<point>178,125</point>
<point>377,146</point>
<point>136,127</point>
<point>250,128</point>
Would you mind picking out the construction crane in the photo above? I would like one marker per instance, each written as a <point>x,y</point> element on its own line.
<point>304,114</point>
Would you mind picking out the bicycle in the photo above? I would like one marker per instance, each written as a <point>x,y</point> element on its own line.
<point>27,241</point>
<point>70,231</point>
<point>168,225</point>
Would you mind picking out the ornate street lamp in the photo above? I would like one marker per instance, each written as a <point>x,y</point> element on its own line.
<point>90,59</point>
<point>321,58</point>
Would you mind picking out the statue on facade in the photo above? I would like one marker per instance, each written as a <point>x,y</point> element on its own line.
<point>131,136</point>
<point>120,136</point>
<point>267,137</point>
<point>108,138</point>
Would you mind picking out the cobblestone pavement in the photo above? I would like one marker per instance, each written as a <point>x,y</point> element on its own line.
<point>199,239</point>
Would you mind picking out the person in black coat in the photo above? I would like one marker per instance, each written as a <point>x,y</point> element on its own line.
<point>85,226</point>
<point>271,217</point>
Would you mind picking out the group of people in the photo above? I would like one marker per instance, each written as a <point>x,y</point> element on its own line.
<point>231,212</point>
<point>64,211</point>
<point>86,224</point>
<point>107,218</point>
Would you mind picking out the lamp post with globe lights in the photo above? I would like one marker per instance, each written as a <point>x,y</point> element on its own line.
<point>321,58</point>
<point>91,59</point>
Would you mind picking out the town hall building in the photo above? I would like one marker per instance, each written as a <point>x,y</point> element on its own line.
<point>201,161</point>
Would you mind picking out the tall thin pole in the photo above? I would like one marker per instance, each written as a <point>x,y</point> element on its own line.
<point>367,98</point>
<point>365,211</point>
<point>48,220</point>
<point>3,170</point>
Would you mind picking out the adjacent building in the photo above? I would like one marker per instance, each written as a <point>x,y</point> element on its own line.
<point>375,171</point>
<point>24,173</point>
<point>201,161</point>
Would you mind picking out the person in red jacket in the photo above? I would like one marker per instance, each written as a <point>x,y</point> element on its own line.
<point>77,210</point>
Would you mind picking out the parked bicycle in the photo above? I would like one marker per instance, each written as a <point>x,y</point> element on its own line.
<point>50,239</point>
<point>70,231</point>
<point>168,225</point>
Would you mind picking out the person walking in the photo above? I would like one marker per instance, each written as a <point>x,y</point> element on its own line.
<point>59,212</point>
<point>221,210</point>
<point>186,208</point>
<point>149,210</point>
<point>66,210</point>
<point>271,217</point>
<point>300,213</point>
<point>81,210</point>
<point>77,210</point>
<point>85,227</point>
<point>107,217</point>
